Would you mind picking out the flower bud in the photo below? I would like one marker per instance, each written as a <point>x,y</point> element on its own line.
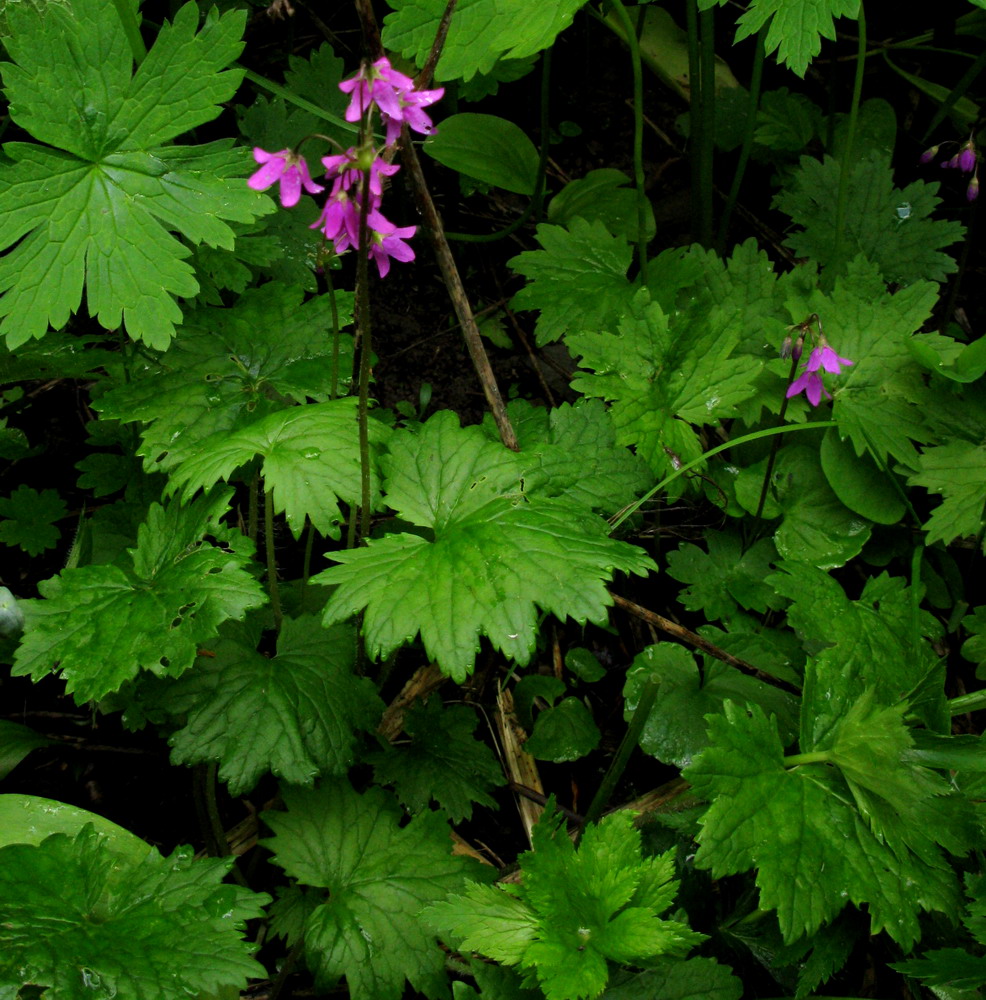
<point>928,155</point>
<point>972,191</point>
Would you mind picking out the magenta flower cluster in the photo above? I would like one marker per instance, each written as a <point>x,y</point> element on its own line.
<point>378,87</point>
<point>810,381</point>
<point>966,160</point>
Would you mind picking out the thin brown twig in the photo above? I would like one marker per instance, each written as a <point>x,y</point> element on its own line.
<point>428,70</point>
<point>686,635</point>
<point>371,30</point>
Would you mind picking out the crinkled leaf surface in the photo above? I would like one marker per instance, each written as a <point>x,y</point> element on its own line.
<point>814,846</point>
<point>99,204</point>
<point>98,626</point>
<point>296,714</point>
<point>577,280</point>
<point>310,461</point>
<point>956,470</point>
<point>796,26</point>
<point>481,32</point>
<point>28,519</point>
<point>443,762</point>
<point>726,576</point>
<point>674,731</point>
<point>493,557</point>
<point>83,921</point>
<point>575,908</point>
<point>905,250</point>
<point>379,875</point>
<point>572,452</point>
<point>231,367</point>
<point>662,373</point>
<point>677,979</point>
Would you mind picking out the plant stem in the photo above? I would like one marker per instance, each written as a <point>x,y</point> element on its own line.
<point>706,145</point>
<point>331,292</point>
<point>365,356</point>
<point>967,703</point>
<point>252,503</point>
<point>638,133</point>
<point>846,167</point>
<point>774,446</point>
<point>756,79</point>
<point>306,569</point>
<point>275,594</point>
<point>627,745</point>
<point>631,509</point>
<point>815,757</point>
<point>695,120</point>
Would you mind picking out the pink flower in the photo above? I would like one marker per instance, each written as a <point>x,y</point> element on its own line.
<point>825,357</point>
<point>967,158</point>
<point>288,168</point>
<point>386,241</point>
<point>339,220</point>
<point>347,166</point>
<point>810,383</point>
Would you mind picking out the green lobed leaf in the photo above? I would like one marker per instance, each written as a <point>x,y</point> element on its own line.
<point>492,557</point>
<point>796,26</point>
<point>29,519</point>
<point>726,577</point>
<point>84,921</point>
<point>98,626</point>
<point>443,762</point>
<point>481,32</point>
<point>674,731</point>
<point>99,205</point>
<point>956,470</point>
<point>231,367</point>
<point>575,909</point>
<point>677,979</point>
<point>379,875</point>
<point>576,281</point>
<point>812,848</point>
<point>311,461</point>
<point>296,714</point>
<point>488,149</point>
<point>905,250</point>
<point>662,372</point>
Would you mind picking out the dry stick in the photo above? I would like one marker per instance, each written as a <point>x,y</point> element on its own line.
<point>680,632</point>
<point>457,293</point>
<point>371,31</point>
<point>424,77</point>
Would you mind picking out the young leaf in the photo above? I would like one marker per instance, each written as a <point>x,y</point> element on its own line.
<point>231,367</point>
<point>481,32</point>
<point>577,281</point>
<point>606,196</point>
<point>310,457</point>
<point>796,26</point>
<point>296,714</point>
<point>492,557</point>
<point>29,519</point>
<point>575,909</point>
<point>565,731</point>
<point>98,205</point>
<point>905,250</point>
<point>443,762</point>
<point>379,875</point>
<point>84,921</point>
<point>100,625</point>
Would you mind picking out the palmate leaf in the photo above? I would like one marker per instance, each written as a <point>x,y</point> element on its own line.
<point>296,714</point>
<point>796,26</point>
<point>100,625</point>
<point>27,519</point>
<point>84,921</point>
<point>481,32</point>
<point>98,205</point>
<point>575,909</point>
<point>577,281</point>
<point>310,461</point>
<point>815,846</point>
<point>379,875</point>
<point>662,373</point>
<point>492,558</point>
<point>443,761</point>
<point>905,249</point>
<point>956,470</point>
